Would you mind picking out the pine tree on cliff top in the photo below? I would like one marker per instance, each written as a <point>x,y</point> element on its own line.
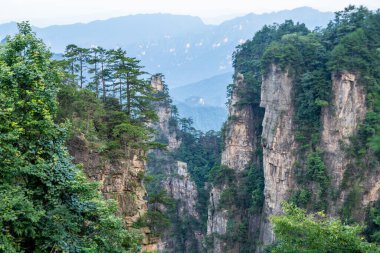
<point>47,204</point>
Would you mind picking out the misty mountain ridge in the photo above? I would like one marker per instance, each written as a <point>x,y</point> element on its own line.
<point>196,58</point>
<point>182,47</point>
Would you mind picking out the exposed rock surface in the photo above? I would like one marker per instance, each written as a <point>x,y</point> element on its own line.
<point>120,179</point>
<point>177,182</point>
<point>217,219</point>
<point>181,187</point>
<point>164,113</point>
<point>340,121</point>
<point>239,146</point>
<point>279,145</point>
<point>239,137</point>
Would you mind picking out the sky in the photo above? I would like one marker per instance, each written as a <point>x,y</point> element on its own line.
<point>49,12</point>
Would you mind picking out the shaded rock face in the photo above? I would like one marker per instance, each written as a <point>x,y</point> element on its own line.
<point>340,121</point>
<point>279,145</point>
<point>237,154</point>
<point>164,113</point>
<point>181,187</point>
<point>239,137</point>
<point>177,182</point>
<point>120,180</point>
<point>217,220</point>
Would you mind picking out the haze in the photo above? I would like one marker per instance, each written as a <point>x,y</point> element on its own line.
<point>48,12</point>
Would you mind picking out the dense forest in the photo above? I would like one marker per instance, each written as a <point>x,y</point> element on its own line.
<point>104,97</point>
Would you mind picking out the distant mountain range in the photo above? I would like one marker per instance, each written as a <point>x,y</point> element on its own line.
<point>190,53</point>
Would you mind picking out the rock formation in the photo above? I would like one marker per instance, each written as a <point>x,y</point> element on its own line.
<point>278,144</point>
<point>177,181</point>
<point>120,179</point>
<point>236,155</point>
<point>340,121</point>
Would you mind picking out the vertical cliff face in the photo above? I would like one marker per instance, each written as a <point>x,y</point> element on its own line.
<point>239,142</point>
<point>279,147</point>
<point>164,113</point>
<point>120,180</point>
<point>182,188</point>
<point>236,155</point>
<point>340,121</point>
<point>176,178</point>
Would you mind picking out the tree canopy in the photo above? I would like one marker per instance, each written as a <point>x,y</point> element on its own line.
<point>48,205</point>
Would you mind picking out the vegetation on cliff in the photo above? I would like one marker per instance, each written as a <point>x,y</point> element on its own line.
<point>349,43</point>
<point>48,205</point>
<point>298,231</point>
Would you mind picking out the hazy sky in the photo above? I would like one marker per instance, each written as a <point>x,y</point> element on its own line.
<point>47,12</point>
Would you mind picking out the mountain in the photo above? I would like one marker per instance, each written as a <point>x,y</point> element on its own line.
<point>189,52</point>
<point>182,47</point>
<point>205,118</point>
<point>212,90</point>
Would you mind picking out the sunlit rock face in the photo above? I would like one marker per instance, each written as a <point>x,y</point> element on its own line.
<point>237,154</point>
<point>340,121</point>
<point>279,146</point>
<point>178,182</point>
<point>120,179</point>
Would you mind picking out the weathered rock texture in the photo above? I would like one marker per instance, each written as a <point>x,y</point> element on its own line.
<point>120,179</point>
<point>279,145</point>
<point>239,137</point>
<point>181,187</point>
<point>164,112</point>
<point>237,154</point>
<point>340,121</point>
<point>177,182</point>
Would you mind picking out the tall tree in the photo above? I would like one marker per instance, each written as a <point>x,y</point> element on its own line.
<point>94,61</point>
<point>76,59</point>
<point>47,204</point>
<point>298,232</point>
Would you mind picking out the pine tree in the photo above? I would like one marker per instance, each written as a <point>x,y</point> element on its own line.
<point>47,204</point>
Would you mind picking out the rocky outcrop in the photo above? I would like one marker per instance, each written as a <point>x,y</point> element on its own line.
<point>164,131</point>
<point>176,178</point>
<point>340,121</point>
<point>217,220</point>
<point>237,154</point>
<point>279,146</point>
<point>181,187</point>
<point>239,135</point>
<point>120,179</point>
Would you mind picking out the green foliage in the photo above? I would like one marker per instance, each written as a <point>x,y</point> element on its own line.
<point>316,169</point>
<point>373,229</point>
<point>351,203</point>
<point>47,204</point>
<point>350,54</point>
<point>300,198</point>
<point>248,58</point>
<point>220,175</point>
<point>298,232</point>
